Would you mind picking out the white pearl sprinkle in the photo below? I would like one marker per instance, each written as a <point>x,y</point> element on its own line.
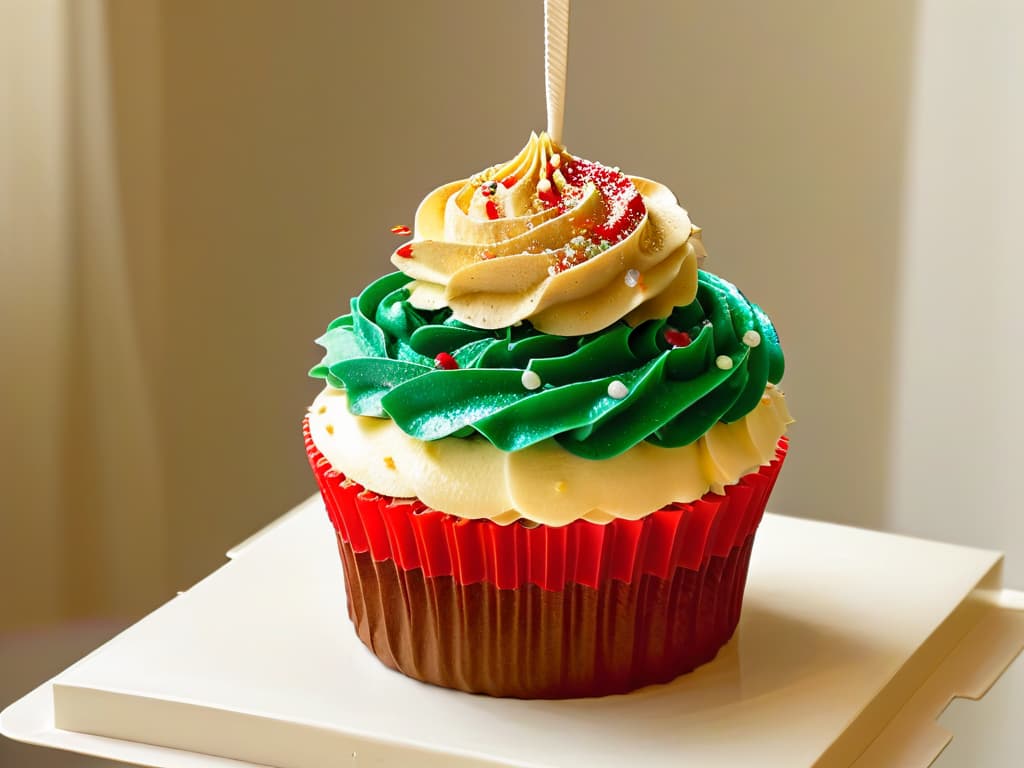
<point>632,278</point>
<point>724,362</point>
<point>556,160</point>
<point>751,338</point>
<point>544,186</point>
<point>617,389</point>
<point>531,380</point>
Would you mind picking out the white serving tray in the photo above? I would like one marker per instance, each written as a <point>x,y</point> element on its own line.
<point>850,644</point>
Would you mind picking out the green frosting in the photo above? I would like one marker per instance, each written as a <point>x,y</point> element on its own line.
<point>383,355</point>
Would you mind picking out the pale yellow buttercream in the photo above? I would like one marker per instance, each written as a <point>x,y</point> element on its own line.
<point>470,478</point>
<point>494,273</point>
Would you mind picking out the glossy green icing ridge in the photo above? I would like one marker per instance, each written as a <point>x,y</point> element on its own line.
<point>383,355</point>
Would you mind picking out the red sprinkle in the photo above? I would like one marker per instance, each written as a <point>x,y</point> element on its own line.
<point>677,338</point>
<point>488,255</point>
<point>401,229</point>
<point>405,251</point>
<point>550,197</point>
<point>445,361</point>
<point>509,181</point>
<point>492,209</point>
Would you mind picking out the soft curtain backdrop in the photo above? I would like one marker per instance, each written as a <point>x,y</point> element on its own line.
<point>83,516</point>
<point>189,189</point>
<point>34,233</point>
<point>958,419</point>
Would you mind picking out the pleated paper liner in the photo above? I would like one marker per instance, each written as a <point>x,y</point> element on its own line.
<point>413,536</point>
<point>544,612</point>
<point>534,643</point>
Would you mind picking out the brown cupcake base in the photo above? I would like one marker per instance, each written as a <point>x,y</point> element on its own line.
<point>534,643</point>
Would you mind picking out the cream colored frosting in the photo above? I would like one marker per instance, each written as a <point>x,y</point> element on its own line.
<point>494,273</point>
<point>470,478</point>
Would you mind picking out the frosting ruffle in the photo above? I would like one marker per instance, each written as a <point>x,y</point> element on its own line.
<point>543,483</point>
<point>666,381</point>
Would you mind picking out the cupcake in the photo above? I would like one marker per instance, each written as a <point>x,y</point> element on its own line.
<point>546,441</point>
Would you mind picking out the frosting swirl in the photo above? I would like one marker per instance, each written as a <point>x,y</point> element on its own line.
<point>665,381</point>
<point>568,244</point>
<point>544,483</point>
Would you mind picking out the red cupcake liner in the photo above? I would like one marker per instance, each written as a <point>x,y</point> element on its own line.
<point>414,536</point>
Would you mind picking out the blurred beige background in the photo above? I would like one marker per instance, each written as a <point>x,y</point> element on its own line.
<point>191,190</point>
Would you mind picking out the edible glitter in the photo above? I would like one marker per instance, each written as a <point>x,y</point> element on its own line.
<point>724,362</point>
<point>617,390</point>
<point>531,380</point>
<point>751,338</point>
<point>632,278</point>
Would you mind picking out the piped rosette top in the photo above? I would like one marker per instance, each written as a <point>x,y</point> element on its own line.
<point>566,243</point>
